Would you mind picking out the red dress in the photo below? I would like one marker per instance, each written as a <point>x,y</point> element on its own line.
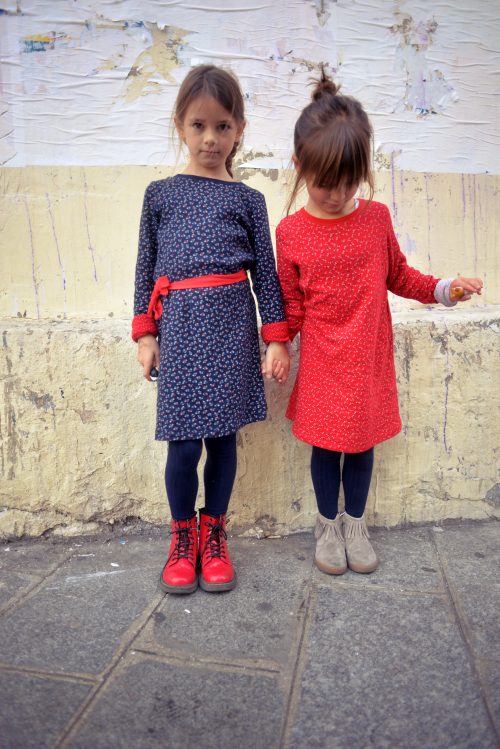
<point>334,275</point>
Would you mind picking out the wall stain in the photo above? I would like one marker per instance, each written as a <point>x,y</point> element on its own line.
<point>426,90</point>
<point>493,495</point>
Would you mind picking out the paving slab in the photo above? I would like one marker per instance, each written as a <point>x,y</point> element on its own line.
<point>408,561</point>
<point>34,557</point>
<point>472,566</point>
<point>34,710</point>
<point>256,620</point>
<point>387,670</point>
<point>492,681</point>
<point>12,585</point>
<point>154,705</point>
<point>81,612</point>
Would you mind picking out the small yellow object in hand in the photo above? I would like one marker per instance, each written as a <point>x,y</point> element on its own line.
<point>456,293</point>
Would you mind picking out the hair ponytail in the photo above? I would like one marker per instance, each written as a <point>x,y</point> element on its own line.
<point>333,140</point>
<point>325,86</point>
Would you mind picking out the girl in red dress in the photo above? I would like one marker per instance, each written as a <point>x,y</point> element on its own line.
<point>337,258</point>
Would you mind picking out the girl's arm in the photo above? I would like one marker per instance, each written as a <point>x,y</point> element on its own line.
<point>274,330</point>
<point>142,323</point>
<point>404,280</point>
<point>293,297</point>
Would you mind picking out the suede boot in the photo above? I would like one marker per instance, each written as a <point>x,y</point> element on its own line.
<point>217,571</point>
<point>330,549</point>
<point>359,551</point>
<point>179,574</point>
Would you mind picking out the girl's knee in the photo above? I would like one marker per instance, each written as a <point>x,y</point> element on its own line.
<point>187,452</point>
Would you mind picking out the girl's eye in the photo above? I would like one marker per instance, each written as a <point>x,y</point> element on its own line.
<point>224,126</point>
<point>197,125</point>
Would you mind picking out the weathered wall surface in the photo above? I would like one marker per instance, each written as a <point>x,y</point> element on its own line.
<point>86,94</point>
<point>77,421</point>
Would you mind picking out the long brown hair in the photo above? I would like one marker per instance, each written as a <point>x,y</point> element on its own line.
<point>333,141</point>
<point>221,85</point>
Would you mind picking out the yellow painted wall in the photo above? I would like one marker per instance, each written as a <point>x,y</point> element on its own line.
<point>69,233</point>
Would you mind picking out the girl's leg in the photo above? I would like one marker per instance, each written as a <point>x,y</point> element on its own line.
<point>179,574</point>
<point>219,473</point>
<point>325,473</point>
<point>330,550</point>
<point>356,478</point>
<point>181,477</point>
<point>217,571</point>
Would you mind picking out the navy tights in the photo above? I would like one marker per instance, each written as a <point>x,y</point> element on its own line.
<point>326,477</point>
<point>181,476</point>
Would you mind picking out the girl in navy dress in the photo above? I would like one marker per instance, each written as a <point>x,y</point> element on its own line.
<point>195,321</point>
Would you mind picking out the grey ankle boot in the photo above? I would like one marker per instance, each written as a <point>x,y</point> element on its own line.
<point>359,551</point>
<point>330,550</point>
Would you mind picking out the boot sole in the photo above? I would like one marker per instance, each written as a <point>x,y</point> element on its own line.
<point>217,587</point>
<point>181,590</point>
<point>330,570</point>
<point>363,570</point>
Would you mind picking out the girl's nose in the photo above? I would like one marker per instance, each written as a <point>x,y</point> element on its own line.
<point>337,194</point>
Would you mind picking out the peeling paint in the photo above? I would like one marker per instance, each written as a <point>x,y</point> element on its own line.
<point>96,85</point>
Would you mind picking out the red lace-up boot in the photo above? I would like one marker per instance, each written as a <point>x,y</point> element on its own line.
<point>179,574</point>
<point>217,572</point>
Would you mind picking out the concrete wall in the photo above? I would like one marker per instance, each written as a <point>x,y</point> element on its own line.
<point>84,124</point>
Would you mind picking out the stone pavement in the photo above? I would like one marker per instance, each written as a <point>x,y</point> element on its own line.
<point>93,656</point>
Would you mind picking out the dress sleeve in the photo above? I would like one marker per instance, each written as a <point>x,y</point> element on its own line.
<point>142,323</point>
<point>264,277</point>
<point>293,297</point>
<point>404,280</point>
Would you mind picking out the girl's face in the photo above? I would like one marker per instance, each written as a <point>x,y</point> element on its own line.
<point>209,132</point>
<point>325,202</point>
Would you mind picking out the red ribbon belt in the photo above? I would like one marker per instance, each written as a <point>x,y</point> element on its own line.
<point>163,286</point>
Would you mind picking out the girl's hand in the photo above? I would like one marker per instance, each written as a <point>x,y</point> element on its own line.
<point>148,354</point>
<point>470,286</point>
<point>276,362</point>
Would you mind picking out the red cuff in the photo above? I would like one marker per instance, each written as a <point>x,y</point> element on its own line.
<point>275,331</point>
<point>143,325</point>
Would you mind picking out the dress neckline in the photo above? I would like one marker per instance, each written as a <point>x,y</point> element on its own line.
<point>208,179</point>
<point>331,221</point>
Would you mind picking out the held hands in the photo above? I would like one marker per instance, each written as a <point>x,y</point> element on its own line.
<point>276,362</point>
<point>461,288</point>
<point>148,354</point>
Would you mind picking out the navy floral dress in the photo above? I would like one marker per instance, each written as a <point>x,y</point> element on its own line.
<point>210,382</point>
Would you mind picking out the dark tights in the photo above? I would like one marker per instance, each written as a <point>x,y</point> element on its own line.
<point>326,477</point>
<point>181,476</point>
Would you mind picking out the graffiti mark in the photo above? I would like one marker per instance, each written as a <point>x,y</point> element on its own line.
<point>42,42</point>
<point>59,258</point>
<point>89,242</point>
<point>36,282</point>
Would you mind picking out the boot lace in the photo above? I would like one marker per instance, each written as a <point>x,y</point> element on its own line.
<point>183,548</point>
<point>215,547</point>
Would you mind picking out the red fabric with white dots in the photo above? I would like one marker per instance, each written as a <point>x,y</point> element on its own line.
<point>334,275</point>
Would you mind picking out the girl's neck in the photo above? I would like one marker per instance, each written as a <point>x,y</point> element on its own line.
<point>220,174</point>
<point>315,210</point>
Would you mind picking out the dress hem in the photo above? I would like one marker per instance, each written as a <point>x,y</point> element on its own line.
<point>324,446</point>
<point>223,433</point>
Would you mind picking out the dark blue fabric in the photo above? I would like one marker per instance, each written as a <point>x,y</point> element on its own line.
<point>356,477</point>
<point>181,475</point>
<point>210,383</point>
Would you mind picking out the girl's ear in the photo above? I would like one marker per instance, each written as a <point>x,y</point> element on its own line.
<point>239,129</point>
<point>296,162</point>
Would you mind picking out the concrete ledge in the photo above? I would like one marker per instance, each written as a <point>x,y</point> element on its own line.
<point>77,424</point>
